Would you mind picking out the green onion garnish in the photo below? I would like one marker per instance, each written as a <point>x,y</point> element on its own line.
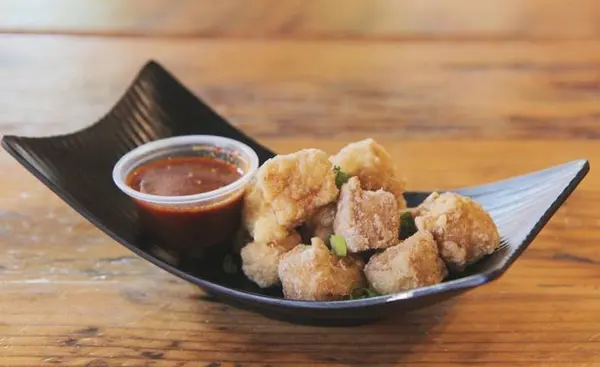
<point>338,245</point>
<point>407,225</point>
<point>360,293</point>
<point>341,177</point>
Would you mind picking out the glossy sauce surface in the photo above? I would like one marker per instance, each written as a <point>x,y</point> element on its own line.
<point>188,228</point>
<point>183,176</point>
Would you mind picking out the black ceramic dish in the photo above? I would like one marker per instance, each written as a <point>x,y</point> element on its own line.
<point>77,167</point>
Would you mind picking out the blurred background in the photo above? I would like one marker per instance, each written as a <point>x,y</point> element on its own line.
<point>382,19</point>
<point>399,69</point>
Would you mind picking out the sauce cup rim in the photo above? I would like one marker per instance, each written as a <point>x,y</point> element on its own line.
<point>130,160</point>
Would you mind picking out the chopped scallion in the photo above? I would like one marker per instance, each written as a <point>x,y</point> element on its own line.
<point>407,225</point>
<point>360,293</point>
<point>341,177</point>
<point>338,245</point>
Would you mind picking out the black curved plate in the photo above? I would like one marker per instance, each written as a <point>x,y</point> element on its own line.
<point>77,167</point>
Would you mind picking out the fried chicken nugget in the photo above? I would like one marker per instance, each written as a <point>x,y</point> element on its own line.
<point>411,264</point>
<point>314,273</point>
<point>321,224</point>
<point>288,189</point>
<point>463,230</point>
<point>374,167</point>
<point>260,260</point>
<point>367,220</point>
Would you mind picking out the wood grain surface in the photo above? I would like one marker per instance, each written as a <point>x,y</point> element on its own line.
<point>458,99</point>
<point>347,19</point>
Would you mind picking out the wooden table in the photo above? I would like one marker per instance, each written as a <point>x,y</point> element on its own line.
<point>460,92</point>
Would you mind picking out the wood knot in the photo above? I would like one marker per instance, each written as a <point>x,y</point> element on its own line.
<point>96,363</point>
<point>152,354</point>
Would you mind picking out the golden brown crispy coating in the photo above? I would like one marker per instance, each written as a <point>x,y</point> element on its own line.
<point>463,230</point>
<point>321,224</point>
<point>297,184</point>
<point>314,273</point>
<point>411,264</point>
<point>366,219</point>
<point>258,217</point>
<point>374,167</point>
<point>288,189</point>
<point>260,260</point>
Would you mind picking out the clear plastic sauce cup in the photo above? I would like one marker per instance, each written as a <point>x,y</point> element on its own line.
<point>192,222</point>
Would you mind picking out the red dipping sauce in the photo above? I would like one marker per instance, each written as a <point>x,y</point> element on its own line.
<point>188,227</point>
<point>182,176</point>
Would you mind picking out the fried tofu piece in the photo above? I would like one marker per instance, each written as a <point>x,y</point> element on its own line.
<point>288,189</point>
<point>297,184</point>
<point>321,224</point>
<point>260,260</point>
<point>411,264</point>
<point>367,220</point>
<point>373,165</point>
<point>259,218</point>
<point>463,230</point>
<point>313,273</point>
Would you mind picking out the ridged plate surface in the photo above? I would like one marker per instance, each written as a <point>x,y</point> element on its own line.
<point>77,167</point>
